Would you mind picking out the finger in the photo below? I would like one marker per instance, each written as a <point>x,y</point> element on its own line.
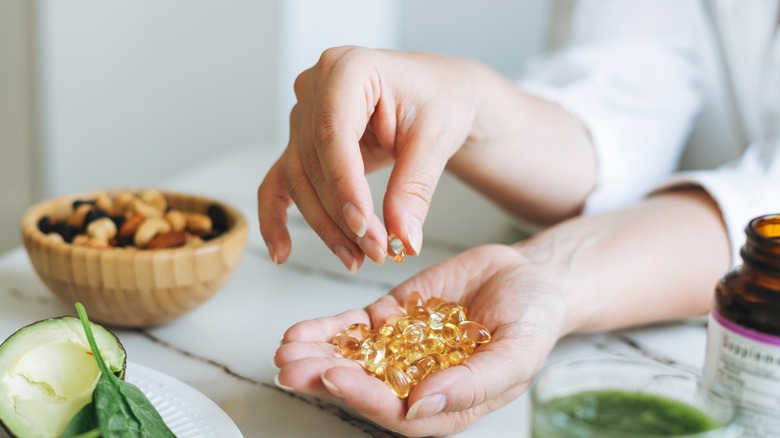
<point>324,329</point>
<point>292,351</point>
<point>374,243</point>
<point>418,168</point>
<point>273,200</point>
<point>306,198</point>
<point>306,374</point>
<point>369,396</point>
<point>341,119</point>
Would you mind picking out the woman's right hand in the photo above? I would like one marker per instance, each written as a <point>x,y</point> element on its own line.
<point>358,110</point>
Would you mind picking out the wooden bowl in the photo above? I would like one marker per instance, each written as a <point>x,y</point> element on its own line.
<point>129,287</point>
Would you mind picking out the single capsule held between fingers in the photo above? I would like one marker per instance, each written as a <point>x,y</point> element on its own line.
<point>397,249</point>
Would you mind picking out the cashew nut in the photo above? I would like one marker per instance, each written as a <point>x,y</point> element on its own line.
<point>105,203</point>
<point>155,199</point>
<point>56,237</point>
<point>122,202</point>
<point>150,228</point>
<point>198,222</point>
<point>103,228</point>
<point>176,219</point>
<point>141,207</point>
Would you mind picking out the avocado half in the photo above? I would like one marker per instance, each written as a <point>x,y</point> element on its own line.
<point>48,373</point>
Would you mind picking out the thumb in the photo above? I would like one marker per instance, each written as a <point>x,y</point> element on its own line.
<point>486,381</point>
<point>417,170</point>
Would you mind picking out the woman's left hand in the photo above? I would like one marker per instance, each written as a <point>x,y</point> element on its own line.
<point>520,302</point>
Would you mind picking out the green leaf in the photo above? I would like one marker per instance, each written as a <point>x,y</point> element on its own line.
<point>122,410</point>
<point>84,421</point>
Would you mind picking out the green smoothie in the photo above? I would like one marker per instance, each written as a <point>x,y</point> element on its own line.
<point>620,413</point>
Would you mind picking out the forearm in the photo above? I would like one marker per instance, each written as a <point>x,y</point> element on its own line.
<point>656,261</point>
<point>529,155</point>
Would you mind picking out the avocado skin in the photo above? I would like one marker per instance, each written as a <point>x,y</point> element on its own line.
<point>47,322</point>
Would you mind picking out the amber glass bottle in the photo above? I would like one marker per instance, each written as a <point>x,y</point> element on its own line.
<point>743,335</point>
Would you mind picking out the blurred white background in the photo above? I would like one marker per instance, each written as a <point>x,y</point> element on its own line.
<point>125,93</point>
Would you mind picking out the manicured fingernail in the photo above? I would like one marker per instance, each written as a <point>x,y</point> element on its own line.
<point>280,385</point>
<point>372,249</point>
<point>414,234</point>
<point>346,257</point>
<point>272,254</point>
<point>427,407</point>
<point>355,220</point>
<point>332,387</point>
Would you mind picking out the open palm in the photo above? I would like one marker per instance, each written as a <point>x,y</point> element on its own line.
<point>519,302</point>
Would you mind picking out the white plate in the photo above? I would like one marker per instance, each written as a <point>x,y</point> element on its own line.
<point>187,412</point>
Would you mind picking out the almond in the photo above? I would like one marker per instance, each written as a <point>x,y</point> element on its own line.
<point>172,239</point>
<point>130,226</point>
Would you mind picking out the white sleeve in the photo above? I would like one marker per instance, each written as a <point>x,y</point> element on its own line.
<point>743,190</point>
<point>629,73</point>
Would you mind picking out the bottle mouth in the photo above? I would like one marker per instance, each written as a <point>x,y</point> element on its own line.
<point>765,228</point>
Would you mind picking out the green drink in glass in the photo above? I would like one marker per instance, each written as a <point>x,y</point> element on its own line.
<point>619,397</point>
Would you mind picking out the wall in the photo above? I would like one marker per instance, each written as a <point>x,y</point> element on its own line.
<point>134,90</point>
<point>18,185</point>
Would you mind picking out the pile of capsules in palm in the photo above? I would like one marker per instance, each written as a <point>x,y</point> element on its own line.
<point>432,336</point>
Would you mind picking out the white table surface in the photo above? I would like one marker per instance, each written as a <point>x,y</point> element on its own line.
<point>224,348</point>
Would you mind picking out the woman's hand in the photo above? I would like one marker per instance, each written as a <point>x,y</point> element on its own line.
<point>521,303</point>
<point>359,110</point>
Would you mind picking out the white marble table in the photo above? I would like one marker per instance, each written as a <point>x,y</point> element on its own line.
<point>224,348</point>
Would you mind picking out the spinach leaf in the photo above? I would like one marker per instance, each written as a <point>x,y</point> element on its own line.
<point>84,421</point>
<point>121,409</point>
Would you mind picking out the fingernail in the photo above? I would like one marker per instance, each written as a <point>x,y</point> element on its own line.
<point>272,254</point>
<point>372,249</point>
<point>426,407</point>
<point>355,220</point>
<point>331,387</point>
<point>414,234</point>
<point>280,385</point>
<point>273,363</point>
<point>346,257</point>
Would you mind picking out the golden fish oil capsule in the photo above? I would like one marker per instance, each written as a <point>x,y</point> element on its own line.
<point>436,320</point>
<point>474,330</point>
<point>395,345</point>
<point>450,333</point>
<point>358,331</point>
<point>374,356</point>
<point>413,300</point>
<point>432,345</point>
<point>456,356</point>
<point>397,249</point>
<point>397,380</point>
<point>468,345</point>
<point>388,330</point>
<point>348,346</point>
<point>415,332</point>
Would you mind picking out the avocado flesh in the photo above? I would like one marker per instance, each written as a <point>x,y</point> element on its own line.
<point>48,373</point>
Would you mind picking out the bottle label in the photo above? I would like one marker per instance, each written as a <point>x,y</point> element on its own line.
<point>748,363</point>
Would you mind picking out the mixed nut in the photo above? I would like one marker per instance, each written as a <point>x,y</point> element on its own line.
<point>142,220</point>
